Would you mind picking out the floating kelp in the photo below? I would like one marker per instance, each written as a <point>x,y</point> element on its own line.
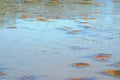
<point>113,72</point>
<point>80,64</point>
<point>3,74</point>
<point>102,56</point>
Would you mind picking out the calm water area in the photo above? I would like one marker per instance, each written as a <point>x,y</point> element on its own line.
<point>59,39</point>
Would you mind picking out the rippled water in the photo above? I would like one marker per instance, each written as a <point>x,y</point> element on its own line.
<point>40,40</point>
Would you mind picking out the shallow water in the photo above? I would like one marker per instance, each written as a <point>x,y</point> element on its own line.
<point>33,49</point>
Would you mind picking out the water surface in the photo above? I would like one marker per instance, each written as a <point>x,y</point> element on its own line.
<point>41,40</point>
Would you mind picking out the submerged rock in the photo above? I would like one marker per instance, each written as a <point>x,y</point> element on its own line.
<point>3,74</point>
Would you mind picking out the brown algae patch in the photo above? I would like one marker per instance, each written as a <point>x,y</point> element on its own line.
<point>102,56</point>
<point>40,18</point>
<point>80,64</point>
<point>24,16</point>
<point>118,64</point>
<point>113,72</point>
<point>84,78</point>
<point>89,18</point>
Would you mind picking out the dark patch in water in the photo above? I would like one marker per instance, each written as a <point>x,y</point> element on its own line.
<point>78,48</point>
<point>3,74</point>
<point>108,38</point>
<point>115,65</point>
<point>91,78</point>
<point>28,77</point>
